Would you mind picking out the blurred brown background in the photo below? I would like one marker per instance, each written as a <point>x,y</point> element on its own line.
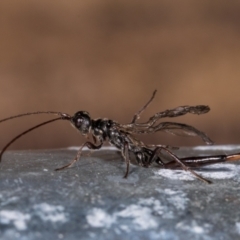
<point>107,57</point>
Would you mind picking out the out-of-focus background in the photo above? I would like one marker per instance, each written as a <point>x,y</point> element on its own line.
<point>107,57</point>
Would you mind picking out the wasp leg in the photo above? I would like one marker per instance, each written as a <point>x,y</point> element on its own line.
<point>152,156</point>
<point>91,150</point>
<point>125,155</point>
<point>182,164</point>
<point>87,144</point>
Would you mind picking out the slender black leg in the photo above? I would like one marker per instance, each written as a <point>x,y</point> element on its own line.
<point>87,144</point>
<point>185,167</point>
<point>91,150</point>
<point>155,155</point>
<point>127,159</point>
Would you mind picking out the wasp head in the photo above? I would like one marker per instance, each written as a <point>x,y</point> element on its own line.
<point>82,121</point>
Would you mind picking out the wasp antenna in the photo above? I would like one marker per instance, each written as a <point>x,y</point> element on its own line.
<point>29,130</point>
<point>137,114</point>
<point>62,115</point>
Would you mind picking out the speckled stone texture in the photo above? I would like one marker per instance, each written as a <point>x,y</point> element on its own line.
<point>91,200</point>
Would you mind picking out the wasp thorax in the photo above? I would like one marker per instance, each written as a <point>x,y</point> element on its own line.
<point>82,121</point>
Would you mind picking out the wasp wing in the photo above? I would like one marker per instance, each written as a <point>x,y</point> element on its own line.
<point>181,129</point>
<point>178,129</point>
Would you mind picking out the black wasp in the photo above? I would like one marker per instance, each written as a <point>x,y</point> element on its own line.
<point>122,136</point>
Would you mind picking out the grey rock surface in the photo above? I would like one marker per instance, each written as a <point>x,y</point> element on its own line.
<point>91,200</point>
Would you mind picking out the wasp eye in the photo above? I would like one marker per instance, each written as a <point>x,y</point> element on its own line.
<point>78,122</point>
<point>82,121</point>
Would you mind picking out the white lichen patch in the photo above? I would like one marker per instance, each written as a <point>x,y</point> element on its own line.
<point>143,214</point>
<point>174,174</point>
<point>52,213</point>
<point>221,171</point>
<point>18,219</point>
<point>99,218</point>
<point>176,199</point>
<point>193,227</point>
<point>237,225</point>
<point>140,214</point>
<point>46,212</point>
<point>216,171</point>
<point>221,148</point>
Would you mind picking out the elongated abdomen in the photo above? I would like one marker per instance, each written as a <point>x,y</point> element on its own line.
<point>204,160</point>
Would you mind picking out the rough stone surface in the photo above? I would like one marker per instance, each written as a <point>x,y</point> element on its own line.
<point>91,200</point>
